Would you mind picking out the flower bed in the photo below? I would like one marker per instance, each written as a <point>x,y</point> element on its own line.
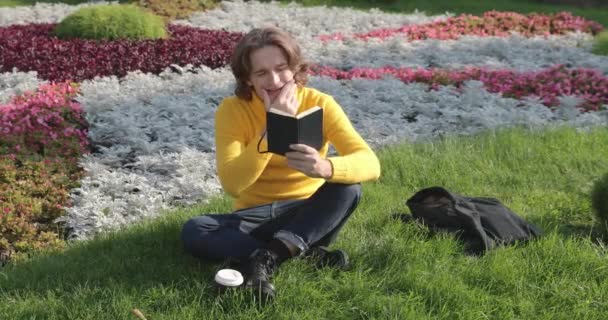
<point>43,137</point>
<point>33,48</point>
<point>548,85</point>
<point>492,23</point>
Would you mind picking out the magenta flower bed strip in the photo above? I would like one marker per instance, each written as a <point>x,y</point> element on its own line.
<point>46,122</point>
<point>33,48</point>
<point>492,23</point>
<point>588,84</point>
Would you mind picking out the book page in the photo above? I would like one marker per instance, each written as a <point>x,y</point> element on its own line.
<point>283,113</point>
<point>307,112</point>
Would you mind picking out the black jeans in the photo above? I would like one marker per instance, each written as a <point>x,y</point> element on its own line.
<point>315,221</point>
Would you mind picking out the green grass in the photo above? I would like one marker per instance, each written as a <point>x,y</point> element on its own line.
<point>399,270</point>
<point>601,44</point>
<point>463,6</point>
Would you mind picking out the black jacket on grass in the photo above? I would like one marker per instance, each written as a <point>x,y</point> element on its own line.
<point>481,223</point>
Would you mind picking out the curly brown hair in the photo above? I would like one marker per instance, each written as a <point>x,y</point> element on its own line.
<point>258,38</point>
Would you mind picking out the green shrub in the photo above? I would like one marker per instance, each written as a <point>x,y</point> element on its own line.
<point>599,201</point>
<point>176,9</point>
<point>601,44</point>
<point>111,22</point>
<point>33,193</point>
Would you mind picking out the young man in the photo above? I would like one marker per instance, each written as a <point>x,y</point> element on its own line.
<point>286,206</point>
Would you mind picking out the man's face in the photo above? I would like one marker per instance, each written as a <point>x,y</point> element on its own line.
<point>269,71</point>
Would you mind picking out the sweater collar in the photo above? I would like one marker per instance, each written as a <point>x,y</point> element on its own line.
<point>257,104</point>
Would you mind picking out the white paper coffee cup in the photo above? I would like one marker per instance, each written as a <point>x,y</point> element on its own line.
<point>228,278</point>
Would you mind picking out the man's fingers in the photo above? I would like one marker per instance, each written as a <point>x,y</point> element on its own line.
<point>289,90</point>
<point>294,98</point>
<point>286,100</point>
<point>286,91</point>
<point>299,156</point>
<point>297,164</point>
<point>303,148</point>
<point>294,89</point>
<point>266,99</point>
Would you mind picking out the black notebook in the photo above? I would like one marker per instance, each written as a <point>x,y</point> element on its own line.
<point>284,129</point>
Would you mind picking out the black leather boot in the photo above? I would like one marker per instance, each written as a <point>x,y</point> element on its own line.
<point>262,265</point>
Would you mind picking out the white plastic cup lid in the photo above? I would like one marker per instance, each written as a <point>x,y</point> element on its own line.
<point>229,277</point>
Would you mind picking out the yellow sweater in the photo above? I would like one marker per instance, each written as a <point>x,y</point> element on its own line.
<point>254,178</point>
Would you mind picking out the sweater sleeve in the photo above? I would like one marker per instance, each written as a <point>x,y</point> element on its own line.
<point>356,161</point>
<point>239,163</point>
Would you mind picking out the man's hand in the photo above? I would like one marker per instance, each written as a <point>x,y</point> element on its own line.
<point>286,100</point>
<point>308,161</point>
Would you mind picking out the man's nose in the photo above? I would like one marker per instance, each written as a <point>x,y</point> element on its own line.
<point>275,78</point>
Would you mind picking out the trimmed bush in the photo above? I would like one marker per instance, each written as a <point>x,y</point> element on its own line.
<point>111,22</point>
<point>599,201</point>
<point>601,44</point>
<point>176,9</point>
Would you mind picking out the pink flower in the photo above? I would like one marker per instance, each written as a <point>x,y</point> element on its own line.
<point>492,23</point>
<point>547,84</point>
